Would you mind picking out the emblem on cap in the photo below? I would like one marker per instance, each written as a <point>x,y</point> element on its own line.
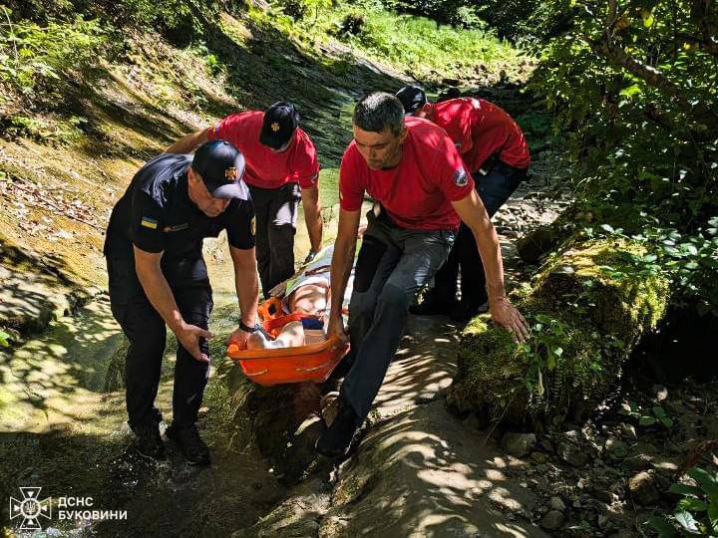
<point>230,174</point>
<point>275,127</point>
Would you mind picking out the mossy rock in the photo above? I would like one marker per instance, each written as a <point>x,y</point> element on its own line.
<point>594,305</point>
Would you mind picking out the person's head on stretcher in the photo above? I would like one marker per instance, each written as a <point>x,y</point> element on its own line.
<point>308,299</point>
<point>308,292</point>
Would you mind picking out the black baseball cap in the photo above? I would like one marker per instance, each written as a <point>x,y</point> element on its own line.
<point>280,121</point>
<point>412,97</point>
<point>221,166</point>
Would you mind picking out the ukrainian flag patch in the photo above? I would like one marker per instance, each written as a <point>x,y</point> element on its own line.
<point>149,223</point>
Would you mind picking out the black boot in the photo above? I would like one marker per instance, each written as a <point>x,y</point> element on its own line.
<point>149,442</point>
<point>434,304</point>
<point>190,443</point>
<point>335,441</point>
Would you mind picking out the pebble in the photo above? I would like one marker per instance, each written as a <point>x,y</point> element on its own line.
<point>556,503</point>
<point>519,444</point>
<point>643,489</point>
<point>553,520</point>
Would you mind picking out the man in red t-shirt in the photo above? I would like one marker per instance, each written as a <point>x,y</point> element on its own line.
<point>281,169</point>
<point>413,171</point>
<point>495,152</point>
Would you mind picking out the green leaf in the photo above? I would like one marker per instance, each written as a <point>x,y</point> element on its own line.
<point>713,511</point>
<point>645,420</point>
<point>4,339</point>
<point>708,482</point>
<point>691,504</point>
<point>629,92</point>
<point>687,521</point>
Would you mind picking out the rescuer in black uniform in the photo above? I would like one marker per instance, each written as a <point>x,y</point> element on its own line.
<point>158,278</point>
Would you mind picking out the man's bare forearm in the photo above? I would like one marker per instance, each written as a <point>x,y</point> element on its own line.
<point>342,262</point>
<point>190,142</point>
<point>246,283</point>
<point>472,211</point>
<point>489,247</point>
<point>313,216</point>
<point>248,295</point>
<point>314,229</point>
<point>160,295</point>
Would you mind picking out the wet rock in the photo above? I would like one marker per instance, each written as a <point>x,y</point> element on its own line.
<point>572,454</point>
<point>660,392</point>
<point>519,444</point>
<point>603,495</point>
<point>553,520</point>
<point>556,503</point>
<point>546,445</point>
<point>643,489</point>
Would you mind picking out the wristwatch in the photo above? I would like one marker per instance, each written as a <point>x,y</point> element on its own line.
<point>310,257</point>
<point>247,328</point>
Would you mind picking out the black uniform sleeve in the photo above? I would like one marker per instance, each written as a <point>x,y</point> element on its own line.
<point>146,223</point>
<point>238,220</point>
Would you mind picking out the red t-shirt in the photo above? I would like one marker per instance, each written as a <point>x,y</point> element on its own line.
<point>265,168</point>
<point>417,193</point>
<point>480,129</point>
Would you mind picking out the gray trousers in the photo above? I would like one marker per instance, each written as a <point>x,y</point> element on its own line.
<point>393,265</point>
<point>276,214</point>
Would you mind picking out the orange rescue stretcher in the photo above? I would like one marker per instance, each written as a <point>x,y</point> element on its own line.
<point>269,367</point>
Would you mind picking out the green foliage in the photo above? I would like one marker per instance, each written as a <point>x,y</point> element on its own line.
<point>696,514</point>
<point>182,21</point>
<point>524,20</point>
<point>690,261</point>
<point>638,87</point>
<point>35,60</point>
<point>642,99</point>
<point>655,416</point>
<point>4,339</point>
<point>543,351</point>
<point>418,45</point>
<point>459,13</point>
<point>55,130</point>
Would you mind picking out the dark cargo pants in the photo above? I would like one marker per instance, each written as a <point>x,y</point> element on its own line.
<point>276,214</point>
<point>146,332</point>
<point>494,189</point>
<point>393,265</point>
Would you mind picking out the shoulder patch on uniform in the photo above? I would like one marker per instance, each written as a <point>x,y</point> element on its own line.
<point>461,178</point>
<point>147,222</point>
<point>253,226</point>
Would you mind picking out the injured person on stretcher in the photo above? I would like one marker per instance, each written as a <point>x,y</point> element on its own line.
<point>308,293</point>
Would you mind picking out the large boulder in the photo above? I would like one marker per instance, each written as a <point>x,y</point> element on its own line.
<point>589,306</point>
